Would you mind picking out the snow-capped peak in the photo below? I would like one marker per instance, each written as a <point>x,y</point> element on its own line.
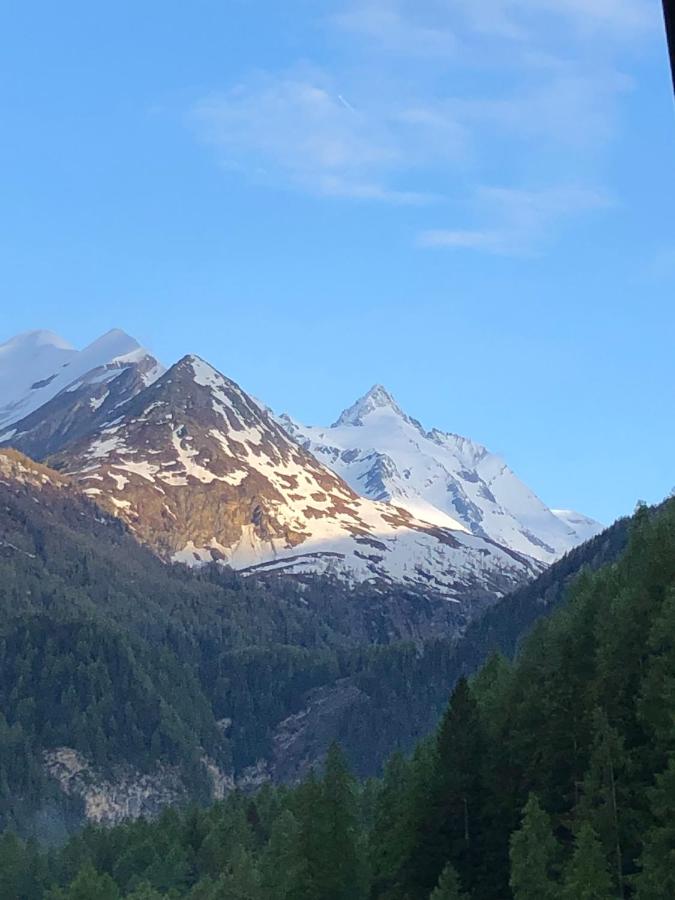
<point>378,398</point>
<point>42,377</point>
<point>112,345</point>
<point>33,339</point>
<point>202,372</point>
<point>27,362</point>
<point>441,478</point>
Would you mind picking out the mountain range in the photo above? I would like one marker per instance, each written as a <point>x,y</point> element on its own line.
<point>202,472</point>
<point>369,556</point>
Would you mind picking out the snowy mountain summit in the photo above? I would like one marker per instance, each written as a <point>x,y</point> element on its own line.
<point>51,393</point>
<point>445,479</point>
<point>377,398</point>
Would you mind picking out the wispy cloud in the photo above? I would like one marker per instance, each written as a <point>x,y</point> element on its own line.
<point>623,17</point>
<point>391,26</point>
<point>517,222</point>
<point>298,127</point>
<point>435,98</point>
<point>492,241</point>
<point>442,26</point>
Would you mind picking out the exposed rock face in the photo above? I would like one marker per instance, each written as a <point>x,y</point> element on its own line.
<point>17,469</point>
<point>301,740</point>
<point>129,795</point>
<point>200,472</point>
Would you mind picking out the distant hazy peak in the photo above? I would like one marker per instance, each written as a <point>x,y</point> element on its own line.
<point>114,343</point>
<point>38,338</point>
<point>583,526</point>
<point>38,366</point>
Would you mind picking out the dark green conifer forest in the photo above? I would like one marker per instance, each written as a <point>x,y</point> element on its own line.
<point>550,777</point>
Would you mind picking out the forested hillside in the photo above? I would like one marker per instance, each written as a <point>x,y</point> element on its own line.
<point>503,626</point>
<point>195,679</point>
<point>551,778</point>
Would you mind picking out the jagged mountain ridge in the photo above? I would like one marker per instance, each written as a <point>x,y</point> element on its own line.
<point>51,393</point>
<point>201,472</point>
<point>54,398</point>
<point>387,455</point>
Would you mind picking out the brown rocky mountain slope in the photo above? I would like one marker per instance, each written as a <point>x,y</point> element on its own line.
<point>201,472</point>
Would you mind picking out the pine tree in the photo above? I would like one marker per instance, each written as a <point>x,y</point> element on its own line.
<point>312,840</point>
<point>586,875</point>
<point>603,799</point>
<point>242,879</point>
<point>488,688</point>
<point>281,865</point>
<point>390,835</point>
<point>144,891</point>
<point>11,865</point>
<point>448,887</point>
<point>656,880</point>
<point>88,883</point>
<point>170,868</point>
<point>230,829</point>
<point>134,861</point>
<point>205,889</point>
<point>658,691</point>
<point>342,877</point>
<point>491,688</point>
<point>449,825</point>
<point>534,852</point>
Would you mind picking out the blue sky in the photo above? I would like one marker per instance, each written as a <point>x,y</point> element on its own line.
<point>470,203</point>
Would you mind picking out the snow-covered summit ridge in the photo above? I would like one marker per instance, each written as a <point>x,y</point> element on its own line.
<point>52,394</point>
<point>439,477</point>
<point>26,360</point>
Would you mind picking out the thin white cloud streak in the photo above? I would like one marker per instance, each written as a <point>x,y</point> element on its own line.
<point>389,25</point>
<point>570,106</point>
<point>296,127</point>
<point>521,221</point>
<point>624,17</point>
<point>533,84</point>
<point>492,241</point>
<point>441,27</point>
